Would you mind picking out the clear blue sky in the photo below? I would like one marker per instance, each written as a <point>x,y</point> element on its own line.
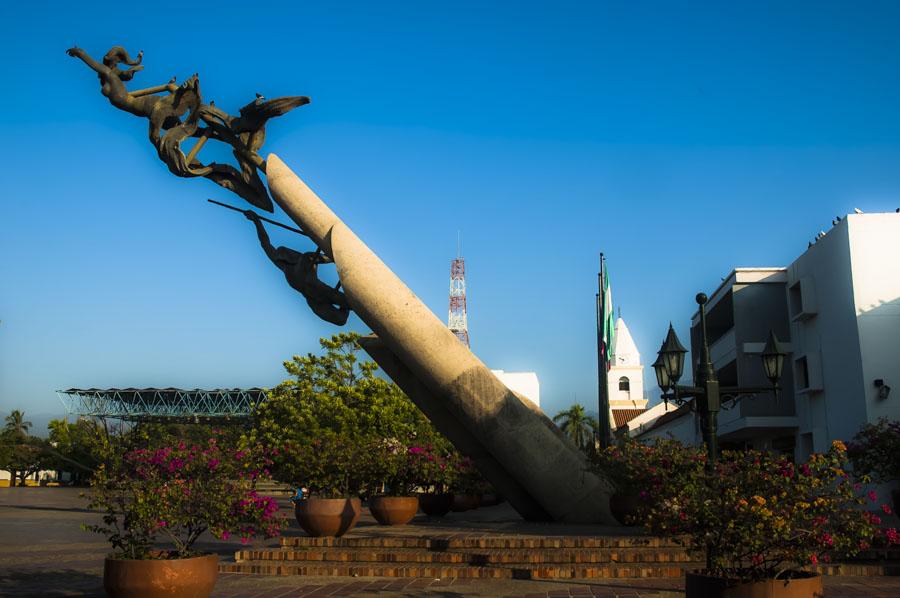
<point>681,139</point>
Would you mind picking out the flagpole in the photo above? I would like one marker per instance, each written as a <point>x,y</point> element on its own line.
<point>602,366</point>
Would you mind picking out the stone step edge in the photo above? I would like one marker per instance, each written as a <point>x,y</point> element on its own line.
<point>438,543</point>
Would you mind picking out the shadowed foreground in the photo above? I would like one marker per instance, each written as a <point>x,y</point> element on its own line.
<point>43,552</point>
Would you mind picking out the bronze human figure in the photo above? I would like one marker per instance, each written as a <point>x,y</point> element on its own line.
<point>301,272</point>
<point>177,112</point>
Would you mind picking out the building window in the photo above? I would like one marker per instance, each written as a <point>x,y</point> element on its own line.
<point>802,299</point>
<point>801,373</point>
<point>624,384</point>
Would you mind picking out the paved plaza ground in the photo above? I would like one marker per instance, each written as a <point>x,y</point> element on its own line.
<point>43,552</point>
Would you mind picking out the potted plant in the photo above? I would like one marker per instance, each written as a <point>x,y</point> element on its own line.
<point>331,467</point>
<point>395,471</point>
<point>468,486</point>
<point>875,452</point>
<point>174,494</point>
<point>637,472</point>
<point>765,522</point>
<point>438,468</point>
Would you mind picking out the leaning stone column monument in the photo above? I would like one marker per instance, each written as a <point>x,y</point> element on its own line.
<point>514,445</point>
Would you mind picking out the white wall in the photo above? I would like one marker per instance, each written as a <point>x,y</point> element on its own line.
<point>875,260</point>
<point>524,383</point>
<point>634,398</point>
<point>852,276</point>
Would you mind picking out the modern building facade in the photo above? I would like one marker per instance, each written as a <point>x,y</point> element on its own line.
<point>844,305</point>
<point>836,311</point>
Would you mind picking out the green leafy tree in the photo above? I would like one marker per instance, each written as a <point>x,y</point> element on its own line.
<point>16,424</point>
<point>875,451</point>
<point>157,434</point>
<point>578,425</point>
<point>331,401</point>
<point>76,447</point>
<point>22,455</point>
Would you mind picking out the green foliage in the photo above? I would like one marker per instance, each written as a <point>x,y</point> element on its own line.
<point>156,434</point>
<point>756,514</point>
<point>16,425</point>
<point>469,480</point>
<point>875,450</point>
<point>76,447</point>
<point>578,426</point>
<point>21,454</point>
<point>177,493</point>
<point>330,420</point>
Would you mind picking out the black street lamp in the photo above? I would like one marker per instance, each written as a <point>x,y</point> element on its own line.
<point>669,366</point>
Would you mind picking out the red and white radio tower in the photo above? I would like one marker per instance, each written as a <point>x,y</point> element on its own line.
<point>457,321</point>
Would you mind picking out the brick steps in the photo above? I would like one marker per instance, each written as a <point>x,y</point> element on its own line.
<point>462,542</point>
<point>473,557</point>
<point>492,556</point>
<point>355,569</point>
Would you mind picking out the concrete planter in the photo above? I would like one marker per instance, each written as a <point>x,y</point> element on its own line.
<point>154,578</point>
<point>327,516</point>
<point>805,585</point>
<point>393,510</point>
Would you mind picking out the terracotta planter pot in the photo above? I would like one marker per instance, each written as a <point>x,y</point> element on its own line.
<point>393,510</point>
<point>173,578</point>
<point>624,508</point>
<point>435,505</point>
<point>805,585</point>
<point>465,502</point>
<point>327,516</point>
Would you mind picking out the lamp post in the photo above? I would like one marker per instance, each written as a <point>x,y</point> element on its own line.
<point>669,366</point>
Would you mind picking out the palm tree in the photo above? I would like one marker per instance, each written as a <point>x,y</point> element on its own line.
<point>577,425</point>
<point>16,424</point>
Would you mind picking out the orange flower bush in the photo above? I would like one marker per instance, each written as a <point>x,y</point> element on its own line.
<point>759,515</point>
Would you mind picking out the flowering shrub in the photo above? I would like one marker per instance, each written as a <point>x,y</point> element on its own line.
<point>392,467</point>
<point>875,451</point>
<point>757,514</point>
<point>645,473</point>
<point>468,479</point>
<point>398,469</point>
<point>436,467</point>
<point>179,492</point>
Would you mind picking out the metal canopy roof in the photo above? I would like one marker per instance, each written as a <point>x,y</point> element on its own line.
<point>162,403</point>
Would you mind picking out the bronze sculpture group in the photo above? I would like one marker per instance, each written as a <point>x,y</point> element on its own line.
<point>176,114</point>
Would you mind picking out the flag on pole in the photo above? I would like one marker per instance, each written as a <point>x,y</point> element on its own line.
<point>606,344</point>
<point>607,319</point>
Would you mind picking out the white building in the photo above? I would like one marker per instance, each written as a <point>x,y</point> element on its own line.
<point>524,383</point>
<point>836,311</point>
<point>844,304</point>
<point>625,379</point>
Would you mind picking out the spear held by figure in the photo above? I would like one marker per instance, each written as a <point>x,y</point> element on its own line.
<point>290,228</point>
<point>301,271</point>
